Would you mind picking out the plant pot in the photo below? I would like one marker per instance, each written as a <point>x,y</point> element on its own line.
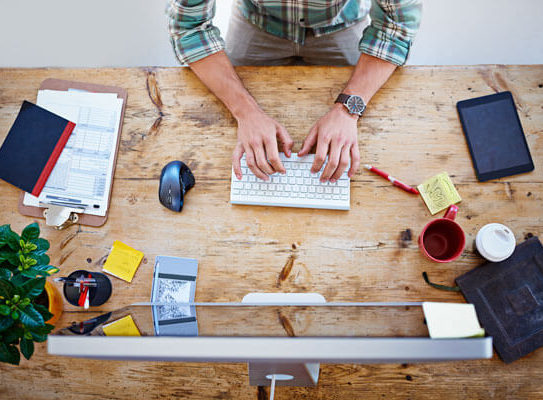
<point>52,299</point>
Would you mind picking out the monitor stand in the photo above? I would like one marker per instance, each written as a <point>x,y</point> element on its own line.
<point>283,374</point>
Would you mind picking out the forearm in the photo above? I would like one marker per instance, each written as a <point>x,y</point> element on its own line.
<point>368,76</point>
<point>218,74</point>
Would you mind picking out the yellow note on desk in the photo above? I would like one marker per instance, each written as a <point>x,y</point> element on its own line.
<point>439,193</point>
<point>122,327</point>
<point>123,261</point>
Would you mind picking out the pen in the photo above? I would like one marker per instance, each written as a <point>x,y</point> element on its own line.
<point>78,280</point>
<point>394,181</point>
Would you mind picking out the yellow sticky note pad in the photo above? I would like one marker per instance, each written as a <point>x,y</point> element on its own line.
<point>123,261</point>
<point>122,327</point>
<point>438,193</point>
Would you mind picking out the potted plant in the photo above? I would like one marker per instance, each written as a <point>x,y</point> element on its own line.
<point>25,307</point>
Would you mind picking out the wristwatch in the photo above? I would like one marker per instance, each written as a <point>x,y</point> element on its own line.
<point>354,104</point>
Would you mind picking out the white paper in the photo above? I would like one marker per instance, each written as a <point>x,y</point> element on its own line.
<point>83,173</point>
<point>451,320</point>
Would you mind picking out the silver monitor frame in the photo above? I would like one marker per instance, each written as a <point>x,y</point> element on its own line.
<point>298,357</point>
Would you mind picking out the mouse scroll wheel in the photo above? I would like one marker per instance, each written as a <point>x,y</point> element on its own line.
<point>169,195</point>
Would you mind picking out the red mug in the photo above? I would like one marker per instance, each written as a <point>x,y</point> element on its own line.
<point>443,240</point>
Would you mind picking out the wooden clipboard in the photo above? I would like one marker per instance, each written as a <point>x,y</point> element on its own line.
<point>59,84</point>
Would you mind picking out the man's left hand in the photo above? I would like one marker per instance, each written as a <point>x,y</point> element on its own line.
<point>336,136</point>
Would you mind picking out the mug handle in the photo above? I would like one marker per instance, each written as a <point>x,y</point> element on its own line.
<point>451,212</point>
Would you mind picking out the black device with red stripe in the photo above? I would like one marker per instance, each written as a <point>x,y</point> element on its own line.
<point>32,147</point>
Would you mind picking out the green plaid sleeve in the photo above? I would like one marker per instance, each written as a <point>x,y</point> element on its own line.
<point>192,33</point>
<point>394,24</point>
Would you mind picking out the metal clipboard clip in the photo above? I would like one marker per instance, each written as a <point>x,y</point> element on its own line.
<point>61,217</point>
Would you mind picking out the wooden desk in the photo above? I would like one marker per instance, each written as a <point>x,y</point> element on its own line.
<point>411,129</point>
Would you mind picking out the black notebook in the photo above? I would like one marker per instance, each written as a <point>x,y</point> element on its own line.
<point>32,147</point>
<point>508,298</point>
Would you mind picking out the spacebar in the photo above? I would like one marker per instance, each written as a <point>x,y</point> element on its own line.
<point>291,202</point>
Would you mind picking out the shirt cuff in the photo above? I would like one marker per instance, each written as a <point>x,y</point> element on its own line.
<point>377,43</point>
<point>197,44</point>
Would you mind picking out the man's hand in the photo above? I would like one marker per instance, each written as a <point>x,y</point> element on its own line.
<point>336,135</point>
<point>257,138</point>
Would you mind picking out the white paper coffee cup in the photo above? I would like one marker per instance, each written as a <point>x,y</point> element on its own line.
<point>495,242</point>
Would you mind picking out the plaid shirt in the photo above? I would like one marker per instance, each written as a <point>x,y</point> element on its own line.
<point>394,24</point>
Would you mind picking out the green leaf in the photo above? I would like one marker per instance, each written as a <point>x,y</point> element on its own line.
<point>4,310</point>
<point>6,289</point>
<point>41,259</point>
<point>13,335</point>
<point>33,287</point>
<point>5,273</point>
<point>44,312</point>
<point>31,232</point>
<point>12,240</point>
<point>42,270</point>
<point>5,323</point>
<point>11,257</point>
<point>4,229</point>
<point>42,330</point>
<point>27,348</point>
<point>9,354</point>
<point>31,317</point>
<point>39,337</point>
<point>41,244</point>
<point>32,273</point>
<point>18,280</point>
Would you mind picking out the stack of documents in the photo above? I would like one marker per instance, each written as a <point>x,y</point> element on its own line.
<point>82,175</point>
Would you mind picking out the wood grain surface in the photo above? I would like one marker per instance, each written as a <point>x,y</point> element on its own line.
<point>411,130</point>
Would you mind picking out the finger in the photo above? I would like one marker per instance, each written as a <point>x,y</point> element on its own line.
<point>333,161</point>
<point>236,157</point>
<point>285,140</point>
<point>355,160</point>
<point>320,155</point>
<point>251,163</point>
<point>309,142</point>
<point>261,161</point>
<point>273,156</point>
<point>343,163</point>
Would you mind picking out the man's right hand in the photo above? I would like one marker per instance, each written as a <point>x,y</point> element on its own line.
<point>257,138</point>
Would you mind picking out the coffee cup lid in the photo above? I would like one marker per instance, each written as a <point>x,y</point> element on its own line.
<point>495,242</point>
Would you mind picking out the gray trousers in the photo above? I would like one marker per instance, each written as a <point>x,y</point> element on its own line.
<point>246,44</point>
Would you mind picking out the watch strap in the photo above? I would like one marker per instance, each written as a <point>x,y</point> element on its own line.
<point>342,98</point>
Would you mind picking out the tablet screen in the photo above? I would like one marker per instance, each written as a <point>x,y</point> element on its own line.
<point>495,136</point>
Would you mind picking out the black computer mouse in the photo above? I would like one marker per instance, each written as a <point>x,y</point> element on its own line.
<point>175,180</point>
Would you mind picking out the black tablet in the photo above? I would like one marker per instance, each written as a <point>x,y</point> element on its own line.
<point>495,137</point>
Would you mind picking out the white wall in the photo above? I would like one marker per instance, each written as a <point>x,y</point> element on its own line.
<point>76,33</point>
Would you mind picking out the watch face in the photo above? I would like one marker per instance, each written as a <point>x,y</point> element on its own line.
<point>356,105</point>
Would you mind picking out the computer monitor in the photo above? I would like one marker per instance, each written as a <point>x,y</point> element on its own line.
<point>274,339</point>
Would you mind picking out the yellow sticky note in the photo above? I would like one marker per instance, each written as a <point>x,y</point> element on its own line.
<point>122,327</point>
<point>123,261</point>
<point>439,193</point>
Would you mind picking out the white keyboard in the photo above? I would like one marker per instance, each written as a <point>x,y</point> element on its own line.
<point>297,188</point>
